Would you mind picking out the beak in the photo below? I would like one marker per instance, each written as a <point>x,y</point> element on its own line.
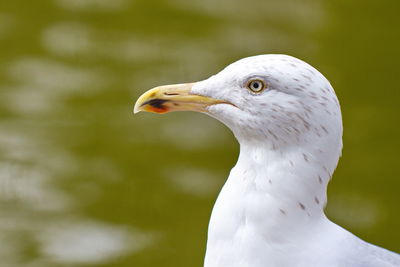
<point>176,97</point>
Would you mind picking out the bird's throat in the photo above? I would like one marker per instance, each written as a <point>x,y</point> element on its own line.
<point>269,198</point>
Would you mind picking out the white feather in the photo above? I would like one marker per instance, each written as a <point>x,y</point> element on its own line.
<point>270,210</point>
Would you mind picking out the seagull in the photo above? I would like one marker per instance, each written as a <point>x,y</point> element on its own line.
<point>270,212</point>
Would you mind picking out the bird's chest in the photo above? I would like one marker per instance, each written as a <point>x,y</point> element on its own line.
<point>249,226</point>
<point>240,227</point>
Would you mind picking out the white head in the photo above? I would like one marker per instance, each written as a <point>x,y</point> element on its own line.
<point>292,101</point>
<point>275,101</point>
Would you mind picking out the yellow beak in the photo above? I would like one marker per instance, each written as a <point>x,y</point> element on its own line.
<point>176,97</point>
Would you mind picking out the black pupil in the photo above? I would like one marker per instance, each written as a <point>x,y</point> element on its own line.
<point>256,85</point>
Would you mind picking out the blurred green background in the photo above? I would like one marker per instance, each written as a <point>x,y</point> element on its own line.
<point>83,182</point>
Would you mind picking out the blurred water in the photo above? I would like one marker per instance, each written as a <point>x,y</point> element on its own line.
<point>84,183</point>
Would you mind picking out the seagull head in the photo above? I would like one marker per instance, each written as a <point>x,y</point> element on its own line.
<point>276,100</point>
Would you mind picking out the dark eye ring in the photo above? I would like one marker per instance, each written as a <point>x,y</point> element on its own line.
<point>256,86</point>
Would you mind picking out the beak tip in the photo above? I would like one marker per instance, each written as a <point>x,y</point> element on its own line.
<point>136,109</point>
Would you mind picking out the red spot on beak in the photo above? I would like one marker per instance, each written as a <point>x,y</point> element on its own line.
<point>158,109</point>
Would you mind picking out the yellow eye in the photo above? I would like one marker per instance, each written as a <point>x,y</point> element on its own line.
<point>256,86</point>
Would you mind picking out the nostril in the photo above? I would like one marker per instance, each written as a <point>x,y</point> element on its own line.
<point>170,94</point>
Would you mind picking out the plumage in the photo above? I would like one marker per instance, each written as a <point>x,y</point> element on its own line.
<point>270,212</point>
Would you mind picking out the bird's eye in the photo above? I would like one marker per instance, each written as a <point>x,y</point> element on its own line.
<point>256,86</point>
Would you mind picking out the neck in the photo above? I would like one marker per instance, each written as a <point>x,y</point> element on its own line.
<point>270,197</point>
<point>292,176</point>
